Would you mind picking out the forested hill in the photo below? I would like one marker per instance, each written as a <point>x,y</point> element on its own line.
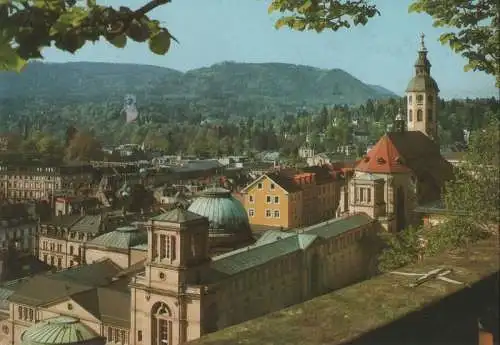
<point>268,82</point>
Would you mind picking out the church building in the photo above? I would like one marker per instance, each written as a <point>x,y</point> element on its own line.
<point>405,168</point>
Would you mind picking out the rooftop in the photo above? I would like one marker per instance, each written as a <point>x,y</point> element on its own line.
<point>58,330</point>
<point>340,317</point>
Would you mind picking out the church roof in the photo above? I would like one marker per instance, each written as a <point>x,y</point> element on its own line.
<point>383,158</point>
<point>177,215</point>
<point>59,330</point>
<point>416,152</point>
<point>422,83</point>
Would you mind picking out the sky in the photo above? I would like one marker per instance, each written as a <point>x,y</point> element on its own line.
<point>211,31</point>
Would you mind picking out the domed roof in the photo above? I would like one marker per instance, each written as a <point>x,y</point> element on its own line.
<point>225,214</point>
<point>422,83</point>
<point>121,238</point>
<point>60,330</point>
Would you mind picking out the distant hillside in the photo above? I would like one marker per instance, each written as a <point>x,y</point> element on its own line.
<point>95,82</point>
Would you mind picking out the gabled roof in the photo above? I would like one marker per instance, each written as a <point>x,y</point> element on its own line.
<point>177,215</point>
<point>282,180</point>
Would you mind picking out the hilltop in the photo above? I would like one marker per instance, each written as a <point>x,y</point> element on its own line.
<point>255,82</point>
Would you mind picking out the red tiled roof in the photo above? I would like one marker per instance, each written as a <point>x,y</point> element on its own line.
<point>383,158</point>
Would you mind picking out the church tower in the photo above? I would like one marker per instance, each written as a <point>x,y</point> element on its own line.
<point>422,97</point>
<point>166,300</point>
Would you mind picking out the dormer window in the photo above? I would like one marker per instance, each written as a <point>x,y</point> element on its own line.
<point>366,159</point>
<point>398,160</point>
<point>380,160</point>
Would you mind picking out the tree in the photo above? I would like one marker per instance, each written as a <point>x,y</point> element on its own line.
<point>477,22</point>
<point>28,26</point>
<point>402,248</point>
<point>474,190</point>
<point>84,147</point>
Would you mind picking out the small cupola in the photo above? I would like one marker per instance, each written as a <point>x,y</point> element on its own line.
<point>399,122</point>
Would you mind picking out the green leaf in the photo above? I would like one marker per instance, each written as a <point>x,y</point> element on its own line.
<point>160,43</point>
<point>9,59</point>
<point>306,6</point>
<point>119,41</point>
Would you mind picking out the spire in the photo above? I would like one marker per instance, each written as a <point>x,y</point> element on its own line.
<point>422,43</point>
<point>399,123</point>
<point>422,65</point>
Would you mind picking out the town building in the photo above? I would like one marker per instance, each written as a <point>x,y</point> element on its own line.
<point>125,246</point>
<point>17,228</point>
<point>292,199</point>
<point>180,293</point>
<point>23,182</point>
<point>61,239</point>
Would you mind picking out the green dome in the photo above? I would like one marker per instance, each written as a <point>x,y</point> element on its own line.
<point>422,83</point>
<point>226,216</point>
<point>121,238</point>
<point>61,330</point>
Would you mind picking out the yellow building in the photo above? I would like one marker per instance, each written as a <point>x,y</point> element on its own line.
<point>293,199</point>
<point>180,293</point>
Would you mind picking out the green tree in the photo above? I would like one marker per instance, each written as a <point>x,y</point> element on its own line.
<point>84,147</point>
<point>401,249</point>
<point>474,190</point>
<point>477,37</point>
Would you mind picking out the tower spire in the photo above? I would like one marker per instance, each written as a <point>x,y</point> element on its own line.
<point>422,42</point>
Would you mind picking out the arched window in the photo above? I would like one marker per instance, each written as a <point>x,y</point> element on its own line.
<point>410,100</point>
<point>419,115</point>
<point>410,115</point>
<point>161,324</point>
<point>420,98</point>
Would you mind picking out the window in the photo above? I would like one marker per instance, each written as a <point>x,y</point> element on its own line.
<point>420,98</point>
<point>268,213</point>
<point>276,213</point>
<point>45,258</point>
<point>272,186</point>
<point>19,312</point>
<point>410,100</point>
<point>59,263</point>
<point>276,199</point>
<point>71,250</point>
<point>429,115</point>
<point>139,335</point>
<point>251,199</point>
<point>410,115</point>
<point>268,199</point>
<point>110,334</point>
<point>430,99</point>
<point>173,243</point>
<point>419,115</point>
<point>259,185</point>
<point>251,212</point>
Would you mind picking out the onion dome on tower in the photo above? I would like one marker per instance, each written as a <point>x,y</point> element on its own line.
<point>229,227</point>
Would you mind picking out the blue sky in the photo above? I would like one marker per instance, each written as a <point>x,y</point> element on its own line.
<point>211,31</point>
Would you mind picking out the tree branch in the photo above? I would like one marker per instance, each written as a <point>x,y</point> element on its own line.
<point>149,7</point>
